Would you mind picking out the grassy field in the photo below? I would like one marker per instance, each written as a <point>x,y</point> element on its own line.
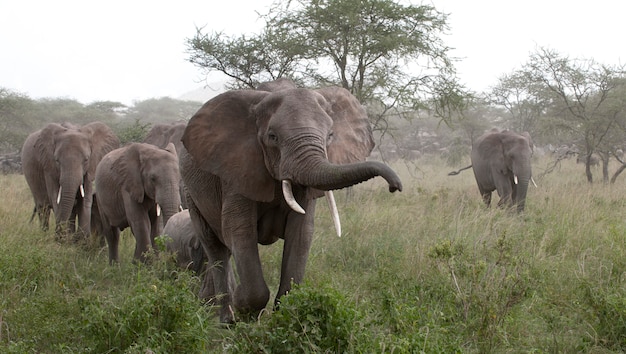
<point>426,270</point>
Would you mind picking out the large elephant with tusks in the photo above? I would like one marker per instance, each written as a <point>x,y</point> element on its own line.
<point>254,164</point>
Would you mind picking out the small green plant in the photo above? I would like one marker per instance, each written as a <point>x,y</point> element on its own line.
<point>158,313</point>
<point>310,319</point>
<point>487,287</point>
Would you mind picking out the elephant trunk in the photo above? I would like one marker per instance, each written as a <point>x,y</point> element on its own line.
<point>324,175</point>
<point>69,188</point>
<point>521,175</point>
<point>168,200</point>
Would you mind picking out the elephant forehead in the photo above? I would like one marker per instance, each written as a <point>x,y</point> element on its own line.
<point>301,113</point>
<point>73,141</point>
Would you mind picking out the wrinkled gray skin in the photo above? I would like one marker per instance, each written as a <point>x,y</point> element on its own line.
<point>162,134</point>
<point>186,246</point>
<point>238,148</point>
<point>184,243</point>
<point>130,182</point>
<point>498,156</point>
<point>65,157</point>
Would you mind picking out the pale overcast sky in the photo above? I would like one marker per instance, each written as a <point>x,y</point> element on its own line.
<point>135,50</point>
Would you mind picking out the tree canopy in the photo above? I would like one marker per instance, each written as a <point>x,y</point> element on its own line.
<point>390,56</point>
<point>577,100</point>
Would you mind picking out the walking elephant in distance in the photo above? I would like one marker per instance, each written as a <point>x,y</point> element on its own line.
<point>254,164</point>
<point>162,134</point>
<point>501,161</point>
<point>59,164</point>
<point>137,186</point>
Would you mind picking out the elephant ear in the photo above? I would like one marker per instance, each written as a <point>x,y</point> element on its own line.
<point>128,168</point>
<point>103,140</point>
<point>352,133</point>
<point>526,135</point>
<point>45,146</point>
<point>222,139</point>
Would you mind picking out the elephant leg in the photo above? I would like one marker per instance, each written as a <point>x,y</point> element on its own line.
<point>486,195</point>
<point>156,229</point>
<point>43,213</point>
<point>218,277</point>
<point>112,236</point>
<point>239,224</point>
<point>298,237</point>
<point>505,190</point>
<point>142,231</point>
<point>140,224</point>
<point>71,222</point>
<point>84,219</point>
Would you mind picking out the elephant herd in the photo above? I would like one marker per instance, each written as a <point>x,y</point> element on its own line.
<point>247,168</point>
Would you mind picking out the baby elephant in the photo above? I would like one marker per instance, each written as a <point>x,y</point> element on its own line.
<point>189,253</point>
<point>137,186</point>
<point>183,242</point>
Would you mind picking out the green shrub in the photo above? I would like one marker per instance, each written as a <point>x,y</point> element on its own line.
<point>310,319</point>
<point>159,314</point>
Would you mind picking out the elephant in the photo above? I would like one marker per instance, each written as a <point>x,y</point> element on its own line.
<point>59,164</point>
<point>162,134</point>
<point>253,164</point>
<point>594,159</point>
<point>501,161</point>
<point>133,185</point>
<point>183,242</point>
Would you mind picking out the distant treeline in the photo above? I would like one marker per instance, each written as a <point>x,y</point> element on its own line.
<point>20,115</point>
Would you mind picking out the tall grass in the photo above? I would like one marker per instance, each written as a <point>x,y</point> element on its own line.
<point>426,270</point>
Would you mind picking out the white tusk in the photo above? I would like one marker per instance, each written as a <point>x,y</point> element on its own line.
<point>532,180</point>
<point>59,196</point>
<point>333,210</point>
<point>82,191</point>
<point>291,201</point>
<point>515,179</point>
<point>158,210</point>
<point>180,208</point>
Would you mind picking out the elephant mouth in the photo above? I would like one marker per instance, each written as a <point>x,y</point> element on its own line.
<point>293,204</point>
<point>82,193</point>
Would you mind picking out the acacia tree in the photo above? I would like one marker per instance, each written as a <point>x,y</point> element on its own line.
<point>524,101</point>
<point>390,56</point>
<point>587,99</point>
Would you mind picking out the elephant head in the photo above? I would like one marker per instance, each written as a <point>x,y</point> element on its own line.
<point>161,135</point>
<point>313,138</point>
<point>247,150</point>
<point>60,162</point>
<point>137,186</point>
<point>501,161</point>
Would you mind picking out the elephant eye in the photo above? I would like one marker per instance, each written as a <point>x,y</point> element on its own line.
<point>330,138</point>
<point>272,137</point>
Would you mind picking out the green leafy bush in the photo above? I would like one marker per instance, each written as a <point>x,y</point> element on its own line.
<point>310,319</point>
<point>157,314</point>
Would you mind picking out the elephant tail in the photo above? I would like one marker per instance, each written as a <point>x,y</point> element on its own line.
<point>454,173</point>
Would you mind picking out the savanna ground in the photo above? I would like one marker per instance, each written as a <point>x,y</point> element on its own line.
<point>426,270</point>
